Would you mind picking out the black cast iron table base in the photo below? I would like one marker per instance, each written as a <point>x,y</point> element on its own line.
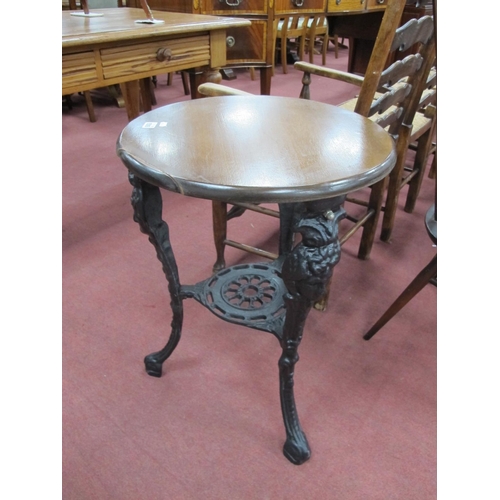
<point>274,297</point>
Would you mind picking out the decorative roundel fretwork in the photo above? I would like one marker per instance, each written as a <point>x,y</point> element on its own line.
<point>247,293</point>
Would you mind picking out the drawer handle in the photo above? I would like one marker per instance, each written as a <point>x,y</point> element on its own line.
<point>230,3</point>
<point>380,1</point>
<point>164,55</point>
<point>230,41</point>
<point>298,3</point>
<point>337,2</point>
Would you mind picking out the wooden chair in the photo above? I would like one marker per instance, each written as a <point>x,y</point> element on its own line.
<point>290,28</point>
<point>185,81</point>
<point>317,29</point>
<point>398,103</point>
<point>422,141</point>
<point>391,97</point>
<point>427,275</point>
<point>424,277</point>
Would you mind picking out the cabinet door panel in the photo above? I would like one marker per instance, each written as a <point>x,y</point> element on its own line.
<point>250,43</point>
<point>346,5</point>
<point>376,4</point>
<point>221,7</point>
<point>292,6</point>
<point>168,5</point>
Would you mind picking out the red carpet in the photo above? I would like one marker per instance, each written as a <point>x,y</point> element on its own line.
<point>211,427</point>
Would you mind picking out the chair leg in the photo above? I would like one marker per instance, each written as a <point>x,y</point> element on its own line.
<point>185,82</point>
<point>421,280</point>
<point>324,49</point>
<point>90,106</point>
<point>424,145</point>
<point>152,86</point>
<point>432,170</point>
<point>302,47</point>
<point>395,178</point>
<point>370,226</point>
<point>219,218</point>
<point>310,49</point>
<point>283,56</point>
<point>320,304</point>
<point>336,45</point>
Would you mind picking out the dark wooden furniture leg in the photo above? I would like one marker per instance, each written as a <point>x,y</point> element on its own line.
<point>219,216</point>
<point>147,202</point>
<point>147,94</point>
<point>90,106</point>
<point>131,92</point>
<point>424,145</point>
<point>423,278</point>
<point>266,72</point>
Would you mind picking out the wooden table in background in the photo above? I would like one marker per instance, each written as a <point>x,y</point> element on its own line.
<point>114,49</point>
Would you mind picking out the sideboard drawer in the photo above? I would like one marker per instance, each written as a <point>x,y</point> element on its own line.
<point>78,68</point>
<point>248,43</point>
<point>376,4</point>
<point>346,5</point>
<point>146,57</point>
<point>292,6</point>
<point>227,7</point>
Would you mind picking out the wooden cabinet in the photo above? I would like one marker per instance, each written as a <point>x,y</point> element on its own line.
<point>173,5</point>
<point>248,44</point>
<point>375,4</point>
<point>233,7</point>
<point>297,6</point>
<point>357,20</point>
<point>343,6</point>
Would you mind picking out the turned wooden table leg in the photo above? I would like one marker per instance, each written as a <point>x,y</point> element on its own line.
<point>131,92</point>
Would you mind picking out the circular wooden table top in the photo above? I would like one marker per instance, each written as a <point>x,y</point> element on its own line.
<point>256,149</point>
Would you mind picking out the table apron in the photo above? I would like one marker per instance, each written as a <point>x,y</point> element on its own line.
<point>88,68</point>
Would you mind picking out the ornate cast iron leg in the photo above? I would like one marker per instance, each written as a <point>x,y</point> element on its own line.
<point>306,272</point>
<point>147,203</point>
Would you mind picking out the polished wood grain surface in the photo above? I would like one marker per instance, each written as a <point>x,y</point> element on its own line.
<point>119,25</point>
<point>256,149</point>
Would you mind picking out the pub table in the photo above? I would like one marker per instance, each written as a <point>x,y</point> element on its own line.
<point>304,155</point>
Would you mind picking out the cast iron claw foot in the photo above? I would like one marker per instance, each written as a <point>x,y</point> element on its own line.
<point>297,453</point>
<point>153,366</point>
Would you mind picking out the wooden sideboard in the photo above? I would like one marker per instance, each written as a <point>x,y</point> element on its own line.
<point>357,20</point>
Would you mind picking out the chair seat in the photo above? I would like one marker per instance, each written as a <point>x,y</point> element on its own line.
<point>421,123</point>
